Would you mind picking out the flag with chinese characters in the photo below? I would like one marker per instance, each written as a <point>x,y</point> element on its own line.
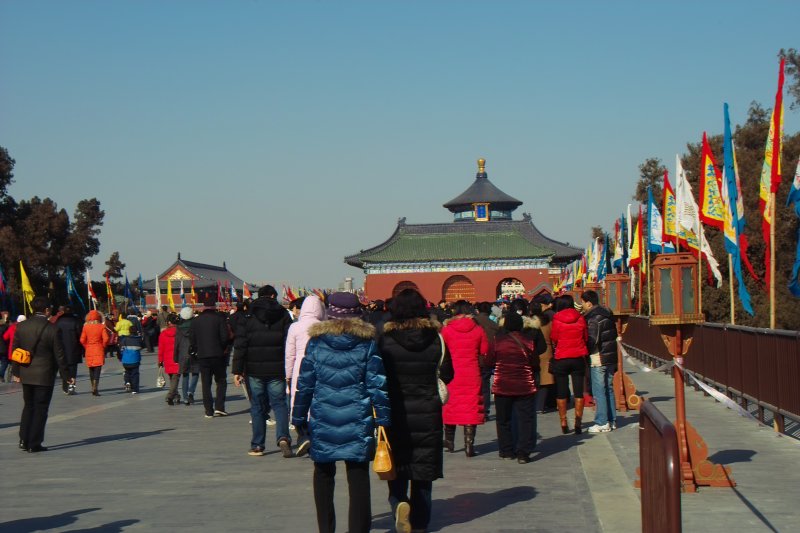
<point>655,234</point>
<point>771,171</point>
<point>711,209</point>
<point>794,198</point>
<point>670,228</point>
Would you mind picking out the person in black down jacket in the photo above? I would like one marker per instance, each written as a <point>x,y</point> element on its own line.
<point>41,339</point>
<point>209,337</point>
<point>258,356</point>
<point>602,345</point>
<point>412,350</point>
<point>69,328</point>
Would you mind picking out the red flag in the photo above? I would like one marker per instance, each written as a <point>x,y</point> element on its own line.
<point>246,291</point>
<point>712,211</point>
<point>110,295</point>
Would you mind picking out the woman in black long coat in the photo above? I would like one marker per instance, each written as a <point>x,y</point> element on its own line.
<point>412,351</point>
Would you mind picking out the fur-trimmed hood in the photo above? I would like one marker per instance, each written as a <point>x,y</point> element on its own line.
<point>355,327</point>
<point>413,323</point>
<point>527,322</point>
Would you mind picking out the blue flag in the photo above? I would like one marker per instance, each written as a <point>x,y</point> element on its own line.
<point>128,295</point>
<point>794,197</point>
<point>140,286</point>
<point>71,292</point>
<point>655,225</point>
<point>732,230</point>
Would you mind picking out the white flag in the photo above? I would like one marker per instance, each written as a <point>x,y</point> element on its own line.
<point>158,293</point>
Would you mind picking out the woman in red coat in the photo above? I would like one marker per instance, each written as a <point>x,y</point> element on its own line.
<point>467,342</point>
<point>166,358</point>
<point>569,335</point>
<point>94,338</point>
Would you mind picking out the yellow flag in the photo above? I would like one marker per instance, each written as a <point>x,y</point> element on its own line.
<point>169,295</point>
<point>27,290</point>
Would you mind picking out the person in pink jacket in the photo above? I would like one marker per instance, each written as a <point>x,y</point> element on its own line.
<point>311,312</point>
<point>569,335</point>
<point>166,358</point>
<point>467,343</point>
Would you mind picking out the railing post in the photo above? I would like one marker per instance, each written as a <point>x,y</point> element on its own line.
<point>659,471</point>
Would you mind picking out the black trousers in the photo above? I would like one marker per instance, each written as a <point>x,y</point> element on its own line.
<point>94,373</point>
<point>359,517</point>
<point>213,368</point>
<point>562,369</point>
<point>72,372</point>
<point>523,410</point>
<point>34,413</point>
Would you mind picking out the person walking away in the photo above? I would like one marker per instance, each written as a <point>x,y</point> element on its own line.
<point>342,383</point>
<point>209,337</point>
<point>40,338</point>
<point>188,367</point>
<point>541,318</point>
<point>131,353</point>
<point>150,330</point>
<point>4,325</point>
<point>411,349</point>
<point>162,318</point>
<point>515,357</point>
<point>69,328</point>
<point>312,311</point>
<point>259,356</point>
<point>94,337</point>
<point>8,336</point>
<point>468,344</point>
<point>483,318</point>
<point>602,347</point>
<point>167,359</point>
<point>569,336</point>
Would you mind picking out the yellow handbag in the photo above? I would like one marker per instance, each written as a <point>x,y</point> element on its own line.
<point>21,356</point>
<point>383,464</point>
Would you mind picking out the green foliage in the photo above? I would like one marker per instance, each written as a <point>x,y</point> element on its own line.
<point>651,174</point>
<point>793,73</point>
<point>115,267</point>
<point>40,234</point>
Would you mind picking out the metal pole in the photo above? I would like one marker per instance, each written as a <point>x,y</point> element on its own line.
<point>772,261</point>
<point>730,283</point>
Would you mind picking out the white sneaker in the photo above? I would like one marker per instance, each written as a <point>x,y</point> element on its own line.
<point>613,426</point>
<point>271,422</point>
<point>605,428</point>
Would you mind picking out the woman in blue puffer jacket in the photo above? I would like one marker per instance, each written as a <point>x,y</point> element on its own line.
<point>341,381</point>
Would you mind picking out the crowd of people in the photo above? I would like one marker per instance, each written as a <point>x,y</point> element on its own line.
<point>328,373</point>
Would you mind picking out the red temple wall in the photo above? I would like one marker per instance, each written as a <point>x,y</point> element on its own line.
<point>431,284</point>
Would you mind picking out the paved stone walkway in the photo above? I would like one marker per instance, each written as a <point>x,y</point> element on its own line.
<point>121,463</point>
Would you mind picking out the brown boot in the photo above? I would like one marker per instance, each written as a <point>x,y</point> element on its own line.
<point>469,440</point>
<point>578,414</point>
<point>94,388</point>
<point>449,437</point>
<point>562,415</point>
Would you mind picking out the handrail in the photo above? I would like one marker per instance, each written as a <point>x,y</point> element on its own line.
<point>660,471</point>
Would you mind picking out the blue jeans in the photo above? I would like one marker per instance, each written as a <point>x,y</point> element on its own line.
<point>189,387</point>
<point>603,392</point>
<point>266,392</point>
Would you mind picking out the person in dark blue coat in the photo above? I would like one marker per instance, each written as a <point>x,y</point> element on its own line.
<point>341,384</point>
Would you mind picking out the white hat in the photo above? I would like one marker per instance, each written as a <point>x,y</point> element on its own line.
<point>187,313</point>
<point>22,318</point>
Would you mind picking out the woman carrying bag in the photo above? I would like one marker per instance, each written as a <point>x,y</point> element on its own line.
<point>413,354</point>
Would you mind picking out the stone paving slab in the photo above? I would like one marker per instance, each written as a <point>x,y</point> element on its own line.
<point>132,463</point>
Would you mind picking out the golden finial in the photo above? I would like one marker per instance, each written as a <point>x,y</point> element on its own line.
<point>481,165</point>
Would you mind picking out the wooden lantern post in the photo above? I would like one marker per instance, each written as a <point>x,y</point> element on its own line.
<point>676,310</point>
<point>617,298</point>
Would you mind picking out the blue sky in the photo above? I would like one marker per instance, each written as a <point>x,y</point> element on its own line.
<point>281,136</point>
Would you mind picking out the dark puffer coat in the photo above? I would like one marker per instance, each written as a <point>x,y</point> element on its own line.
<point>69,328</point>
<point>209,334</point>
<point>259,348</point>
<point>602,334</point>
<point>186,363</point>
<point>411,351</point>
<point>341,380</point>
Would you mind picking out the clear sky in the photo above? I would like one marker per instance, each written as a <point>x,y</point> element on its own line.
<point>281,136</point>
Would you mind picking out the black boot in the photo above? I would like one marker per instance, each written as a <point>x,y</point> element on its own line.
<point>94,387</point>
<point>469,440</point>
<point>449,437</point>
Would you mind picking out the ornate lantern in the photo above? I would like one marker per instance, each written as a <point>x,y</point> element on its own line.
<point>618,294</point>
<point>676,290</point>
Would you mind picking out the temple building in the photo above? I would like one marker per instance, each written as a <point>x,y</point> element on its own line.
<point>206,280</point>
<point>483,255</point>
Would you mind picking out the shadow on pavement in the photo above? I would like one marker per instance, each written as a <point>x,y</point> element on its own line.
<point>44,523</point>
<point>463,508</point>
<point>109,438</point>
<point>724,457</point>
<point>112,527</point>
<point>557,444</point>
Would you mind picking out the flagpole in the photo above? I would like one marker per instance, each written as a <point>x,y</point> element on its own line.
<point>649,284</point>
<point>772,261</point>
<point>700,275</point>
<point>730,283</point>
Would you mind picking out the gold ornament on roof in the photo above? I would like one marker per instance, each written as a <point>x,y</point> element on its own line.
<point>481,165</point>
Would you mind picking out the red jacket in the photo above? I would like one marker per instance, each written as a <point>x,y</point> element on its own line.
<point>513,372</point>
<point>465,340</point>
<point>569,335</point>
<point>166,350</point>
